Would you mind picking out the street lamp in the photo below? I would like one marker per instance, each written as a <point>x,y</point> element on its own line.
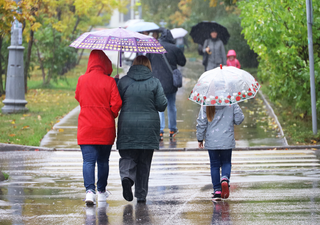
<point>311,66</point>
<point>15,90</point>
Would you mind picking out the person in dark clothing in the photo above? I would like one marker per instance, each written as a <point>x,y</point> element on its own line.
<point>138,126</point>
<point>161,71</point>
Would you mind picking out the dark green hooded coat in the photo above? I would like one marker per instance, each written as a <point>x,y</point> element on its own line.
<point>139,123</point>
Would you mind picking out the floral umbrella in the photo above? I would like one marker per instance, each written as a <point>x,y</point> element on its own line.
<point>120,40</point>
<point>224,86</point>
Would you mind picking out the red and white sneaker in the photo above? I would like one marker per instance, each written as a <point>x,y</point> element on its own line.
<point>224,188</point>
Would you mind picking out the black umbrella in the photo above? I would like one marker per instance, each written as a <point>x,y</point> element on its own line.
<point>202,30</point>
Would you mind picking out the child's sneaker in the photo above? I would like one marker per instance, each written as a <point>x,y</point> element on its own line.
<point>102,196</point>
<point>216,196</point>
<point>173,133</point>
<point>90,198</point>
<point>161,136</point>
<point>225,188</point>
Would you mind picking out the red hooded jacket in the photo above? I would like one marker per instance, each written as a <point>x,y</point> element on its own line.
<point>99,100</point>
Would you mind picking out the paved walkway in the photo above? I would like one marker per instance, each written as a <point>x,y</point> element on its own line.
<point>260,127</point>
<point>267,187</point>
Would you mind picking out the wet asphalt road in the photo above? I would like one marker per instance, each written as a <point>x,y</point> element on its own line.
<point>267,187</point>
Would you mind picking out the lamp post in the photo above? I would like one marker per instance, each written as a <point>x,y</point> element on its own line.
<point>311,66</point>
<point>15,90</point>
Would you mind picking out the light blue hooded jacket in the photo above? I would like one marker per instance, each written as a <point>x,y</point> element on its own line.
<point>219,133</point>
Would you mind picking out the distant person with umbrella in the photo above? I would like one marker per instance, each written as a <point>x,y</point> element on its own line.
<point>214,51</point>
<point>211,36</point>
<point>161,71</point>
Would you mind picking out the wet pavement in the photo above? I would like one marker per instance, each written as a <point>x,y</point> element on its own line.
<point>258,129</point>
<point>267,187</point>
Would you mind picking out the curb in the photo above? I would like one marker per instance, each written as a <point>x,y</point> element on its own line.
<point>274,116</point>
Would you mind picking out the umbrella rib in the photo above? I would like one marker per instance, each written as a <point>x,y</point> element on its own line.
<point>107,41</point>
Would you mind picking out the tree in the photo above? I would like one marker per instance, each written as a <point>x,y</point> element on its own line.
<point>277,32</point>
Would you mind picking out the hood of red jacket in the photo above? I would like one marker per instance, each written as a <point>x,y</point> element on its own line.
<point>99,61</point>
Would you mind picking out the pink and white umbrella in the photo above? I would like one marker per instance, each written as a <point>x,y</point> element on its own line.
<point>224,86</point>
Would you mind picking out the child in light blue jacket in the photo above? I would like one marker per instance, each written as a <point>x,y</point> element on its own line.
<point>215,125</point>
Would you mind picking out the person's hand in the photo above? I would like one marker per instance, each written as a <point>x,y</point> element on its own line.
<point>117,76</point>
<point>208,50</point>
<point>200,144</point>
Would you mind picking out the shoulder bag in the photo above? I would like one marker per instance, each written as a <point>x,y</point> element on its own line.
<point>176,74</point>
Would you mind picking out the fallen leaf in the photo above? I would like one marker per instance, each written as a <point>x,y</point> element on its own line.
<point>13,122</point>
<point>301,115</point>
<point>25,115</point>
<point>39,117</point>
<point>25,127</point>
<point>61,130</point>
<point>12,135</point>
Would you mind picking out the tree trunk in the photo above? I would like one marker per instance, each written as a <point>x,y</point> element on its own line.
<point>27,63</point>
<point>41,65</point>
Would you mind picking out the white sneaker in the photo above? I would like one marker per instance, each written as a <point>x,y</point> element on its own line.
<point>102,196</point>
<point>90,198</point>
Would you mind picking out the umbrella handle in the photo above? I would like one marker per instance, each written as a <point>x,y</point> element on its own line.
<point>118,63</point>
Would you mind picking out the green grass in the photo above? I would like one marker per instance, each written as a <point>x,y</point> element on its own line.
<point>297,128</point>
<point>47,105</point>
<point>6,176</point>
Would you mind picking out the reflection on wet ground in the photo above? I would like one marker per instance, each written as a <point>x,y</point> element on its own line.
<point>267,187</point>
<point>258,128</point>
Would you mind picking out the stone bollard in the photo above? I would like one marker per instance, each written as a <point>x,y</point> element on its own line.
<point>15,90</point>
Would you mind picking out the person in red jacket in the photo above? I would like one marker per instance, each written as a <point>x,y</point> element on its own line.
<point>100,103</point>
<point>232,61</point>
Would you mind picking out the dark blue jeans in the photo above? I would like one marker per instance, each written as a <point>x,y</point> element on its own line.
<point>172,114</point>
<point>91,155</point>
<point>220,159</point>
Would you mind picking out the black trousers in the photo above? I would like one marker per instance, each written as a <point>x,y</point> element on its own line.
<point>135,164</point>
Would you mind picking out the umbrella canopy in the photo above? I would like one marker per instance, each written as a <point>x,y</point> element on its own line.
<point>224,86</point>
<point>143,26</point>
<point>118,39</point>
<point>178,32</point>
<point>131,22</point>
<point>202,30</point>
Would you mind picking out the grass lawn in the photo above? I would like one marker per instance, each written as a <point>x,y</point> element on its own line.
<point>46,107</point>
<point>296,127</point>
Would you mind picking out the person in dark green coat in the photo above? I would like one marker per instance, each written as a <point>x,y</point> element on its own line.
<point>138,126</point>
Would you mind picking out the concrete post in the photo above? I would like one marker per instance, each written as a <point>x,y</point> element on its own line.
<point>15,91</point>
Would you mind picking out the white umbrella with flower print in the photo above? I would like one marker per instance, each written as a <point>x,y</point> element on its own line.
<point>224,86</point>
